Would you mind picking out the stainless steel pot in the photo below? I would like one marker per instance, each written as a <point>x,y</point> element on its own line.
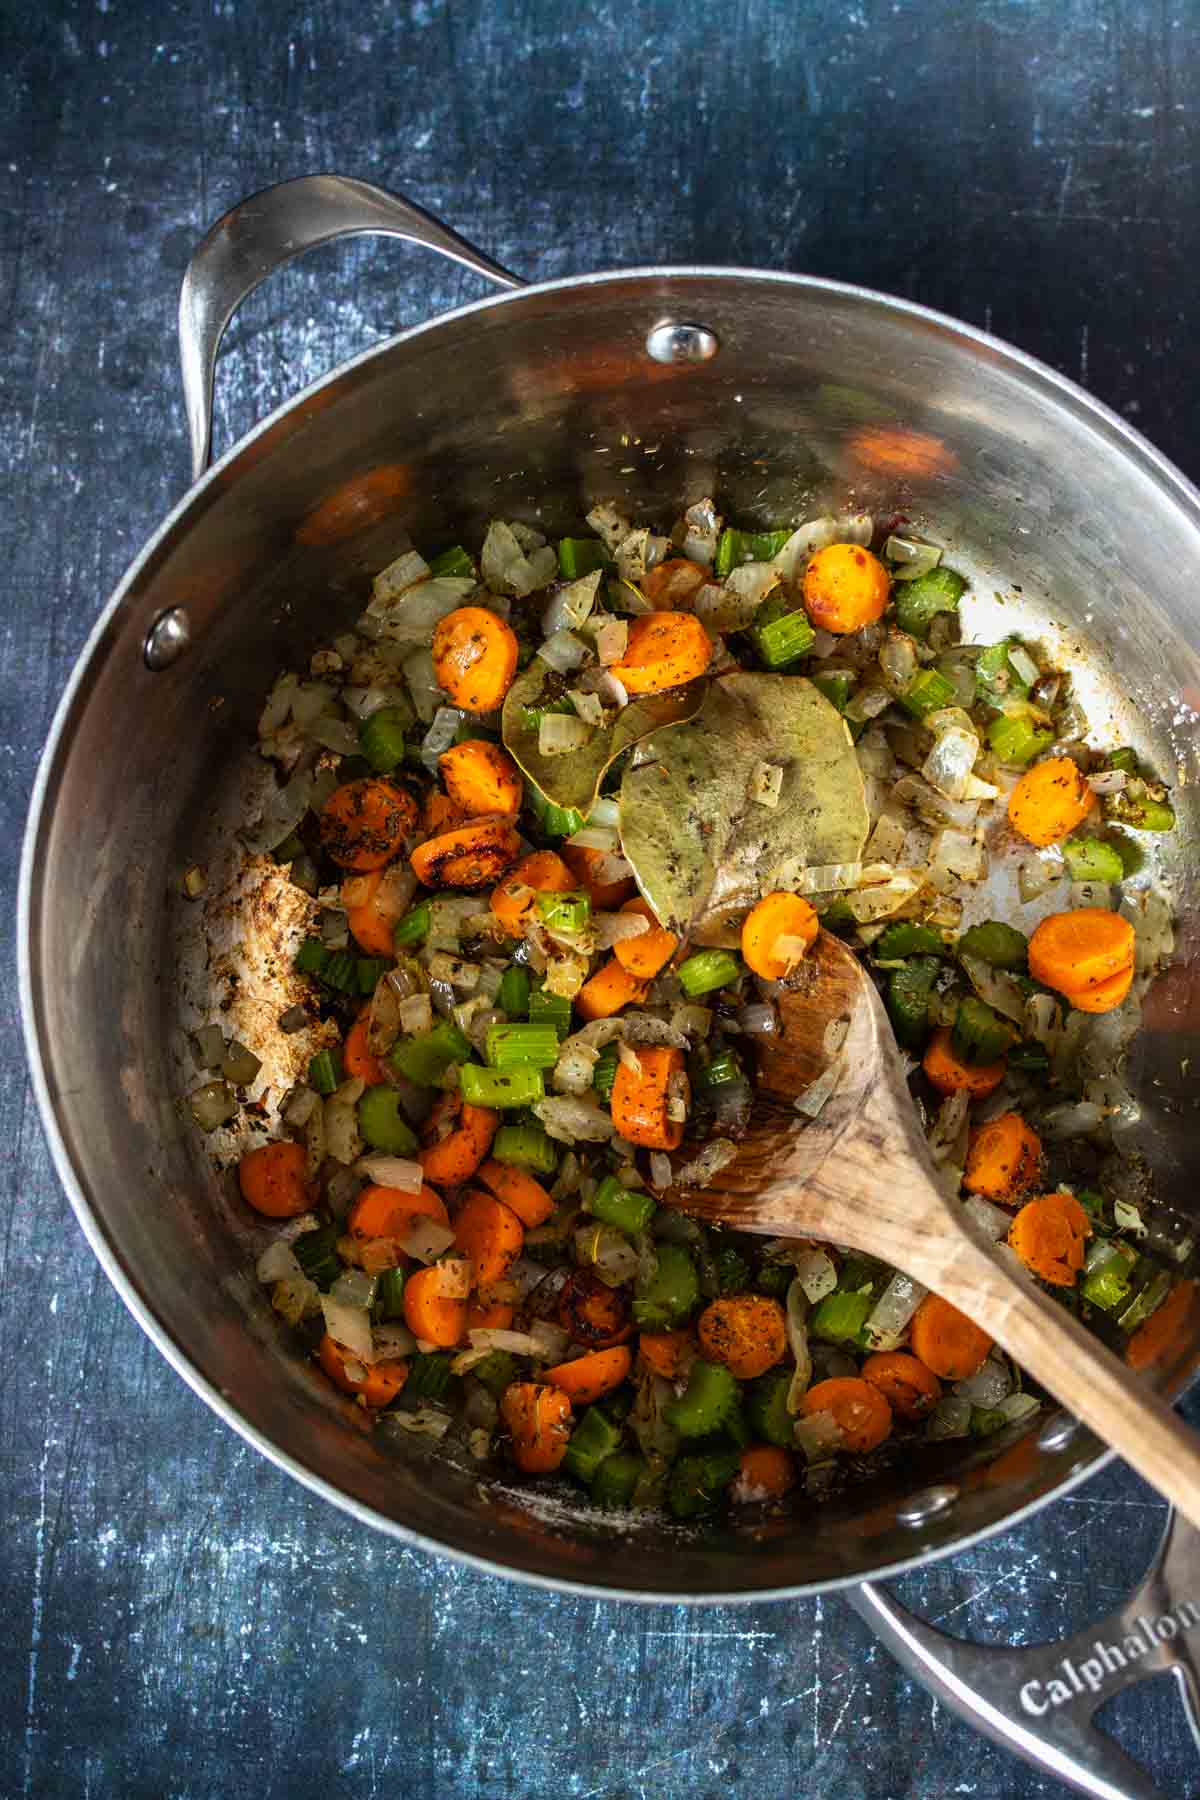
<point>780,394</point>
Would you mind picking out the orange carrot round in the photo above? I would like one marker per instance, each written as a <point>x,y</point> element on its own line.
<point>665,650</point>
<point>608,990</point>
<point>1165,1329</point>
<point>585,865</point>
<point>845,588</point>
<point>673,583</point>
<point>765,1472</point>
<point>471,856</point>
<point>429,1314</point>
<point>373,915</point>
<point>474,658</point>
<point>946,1341</point>
<point>439,814</point>
<point>272,1179</point>
<point>482,780</point>
<point>380,1383</point>
<point>910,1389</point>
<point>1048,1234</point>
<point>778,916</point>
<point>860,1410</point>
<point>385,1212</point>
<point>949,1075</point>
<point>590,1377</point>
<point>643,957</point>
<point>1003,1158</point>
<point>1081,949</point>
<point>1104,997</point>
<point>593,1313</point>
<point>454,1158</point>
<point>519,1192</point>
<point>489,1235</point>
<point>539,1421</point>
<point>497,1316</point>
<point>1050,800</point>
<point>540,873</point>
<point>364,823</point>
<point>668,1353</point>
<point>639,1097</point>
<point>358,1060</point>
<point>746,1332</point>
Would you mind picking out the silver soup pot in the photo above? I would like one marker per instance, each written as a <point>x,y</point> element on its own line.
<point>784,397</point>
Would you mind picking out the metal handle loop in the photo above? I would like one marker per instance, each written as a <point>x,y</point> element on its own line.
<point>259,236</point>
<point>1038,1702</point>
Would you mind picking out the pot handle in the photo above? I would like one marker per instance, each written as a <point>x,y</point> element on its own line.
<point>263,233</point>
<point>1038,1702</point>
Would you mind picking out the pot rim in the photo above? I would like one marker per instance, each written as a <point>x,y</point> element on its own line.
<point>1031,370</point>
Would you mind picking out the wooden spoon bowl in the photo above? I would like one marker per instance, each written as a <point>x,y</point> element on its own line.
<point>859,1175</point>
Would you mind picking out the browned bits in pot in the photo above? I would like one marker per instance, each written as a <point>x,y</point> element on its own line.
<point>364,823</point>
<point>594,1314</point>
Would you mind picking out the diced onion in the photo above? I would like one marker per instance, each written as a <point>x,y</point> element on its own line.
<point>426,1238</point>
<point>1019,1406</point>
<point>716,1155</point>
<point>950,1418</point>
<point>278,1263</point>
<point>440,736</point>
<point>571,605</point>
<point>1000,989</point>
<point>587,706</point>
<point>410,618</point>
<point>816,878</point>
<point>661,1173</point>
<point>1108,781</point>
<point>1020,660</point>
<point>572,1120</point>
<point>573,1070</point>
<point>213,1104</point>
<point>392,1172</point>
<point>990,1219</point>
<point>595,837</point>
<point>911,557</point>
<point>453,1278</point>
<point>561,733</point>
<point>564,652</point>
<point>766,783</point>
<point>349,1326</point>
<point>797,1335</point>
<point>815,1273</point>
<point>425,1422</point>
<point>1073,1119</point>
<point>988,1386</point>
<point>892,1313</point>
<point>209,1047</point>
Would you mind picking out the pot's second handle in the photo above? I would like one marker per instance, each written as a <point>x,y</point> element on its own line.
<point>262,234</point>
<point>1039,1702</point>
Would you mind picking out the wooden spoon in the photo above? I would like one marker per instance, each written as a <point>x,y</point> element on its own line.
<point>860,1175</point>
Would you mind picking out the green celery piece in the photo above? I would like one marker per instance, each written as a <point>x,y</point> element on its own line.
<point>454,561</point>
<point>766,1408</point>
<point>667,1299</point>
<point>907,939</point>
<point>995,678</point>
<point>325,1071</point>
<point>497,1371</point>
<point>987,1419</point>
<point>383,1125</point>
<point>994,942</point>
<point>316,1252</point>
<point>708,970</point>
<point>580,556</point>
<point>382,739</point>
<point>707,1402</point>
<point>919,601</point>
<point>429,1375</point>
<point>927,692</point>
<point>389,1296</point>
<point>413,928</point>
<point>1123,758</point>
<point>1091,859</point>
<point>628,1209</point>
<point>604,1073</point>
<point>513,1046</point>
<point>781,632</point>
<point>836,684</point>
<point>425,1059</point>
<point>551,1009</point>
<point>594,1438</point>
<point>698,1482</point>
<point>615,1481</point>
<point>1108,1286</point>
<point>501,1088</point>
<point>513,997</point>
<point>312,958</point>
<point>1140,811</point>
<point>839,1317</point>
<point>980,1034</point>
<point>1014,739</point>
<point>525,1147</point>
<point>909,991</point>
<point>733,1272</point>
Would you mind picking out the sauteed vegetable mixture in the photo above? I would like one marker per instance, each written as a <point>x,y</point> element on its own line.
<point>568,818</point>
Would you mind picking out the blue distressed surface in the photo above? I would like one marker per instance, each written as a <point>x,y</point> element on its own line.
<point>181,1620</point>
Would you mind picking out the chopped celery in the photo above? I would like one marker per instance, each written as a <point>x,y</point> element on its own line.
<point>1142,811</point>
<point>927,692</point>
<point>497,1371</point>
<point>767,1410</point>
<point>513,997</point>
<point>987,1419</point>
<point>594,1438</point>
<point>316,1252</point>
<point>381,738</point>
<point>629,1209</point>
<point>1091,859</point>
<point>666,1298</point>
<point>413,928</point>
<point>522,1046</point>
<point>909,991</point>
<point>580,556</point>
<point>501,1088</point>
<point>736,547</point>
<point>980,1034</point>
<point>697,1482</point>
<point>341,972</point>
<point>905,939</point>
<point>1014,738</point>
<point>425,1059</point>
<point>325,1071</point>
<point>996,679</point>
<point>615,1481</point>
<point>564,912</point>
<point>781,632</point>
<point>1123,758</point>
<point>388,1303</point>
<point>525,1147</point>
<point>550,1009</point>
<point>604,1073</point>
<point>382,1123</point>
<point>312,958</point>
<point>367,971</point>
<point>721,1069</point>
<point>707,1402</point>
<point>836,685</point>
<point>1107,1285</point>
<point>994,942</point>
<point>839,1317</point>
<point>733,1272</point>
<point>708,970</point>
<point>919,601</point>
<point>454,561</point>
<point>429,1375</point>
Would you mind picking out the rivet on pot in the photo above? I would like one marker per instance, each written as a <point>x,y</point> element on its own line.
<point>1058,1431</point>
<point>167,638</point>
<point>926,1504</point>
<point>674,341</point>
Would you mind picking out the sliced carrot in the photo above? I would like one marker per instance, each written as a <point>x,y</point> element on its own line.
<point>540,873</point>
<point>673,583</point>
<point>609,989</point>
<point>454,1158</point>
<point>910,1389</point>
<point>746,1332</point>
<point>496,1317</point>
<point>1003,1158</point>
<point>439,814</point>
<point>845,588</point>
<point>665,649</point>
<point>1106,996</point>
<point>364,823</point>
<point>639,1097</point>
<point>370,916</point>
<point>474,658</point>
<point>380,1383</point>
<point>1165,1329</point>
<point>385,1212</point>
<point>946,1341</point>
<point>489,1235</point>
<point>272,1179</point>
<point>950,1075</point>
<point>765,1472</point>
<point>539,1420</point>
<point>471,856</point>
<point>429,1314</point>
<point>593,1313</point>
<point>519,1191</point>
<point>482,780</point>
<point>643,957</point>
<point>359,502</point>
<point>585,865</point>
<point>668,1353</point>
<point>591,1376</point>
<point>358,1060</point>
<point>777,917</point>
<point>1050,800</point>
<point>1048,1234</point>
<point>1081,949</point>
<point>860,1410</point>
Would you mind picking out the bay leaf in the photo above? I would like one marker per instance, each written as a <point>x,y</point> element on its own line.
<point>702,848</point>
<point>574,778</point>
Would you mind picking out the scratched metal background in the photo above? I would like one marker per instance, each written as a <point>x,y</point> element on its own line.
<point>179,1619</point>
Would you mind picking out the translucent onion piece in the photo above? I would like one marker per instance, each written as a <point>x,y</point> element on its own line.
<point>573,1070</point>
<point>797,1334</point>
<point>209,1047</point>
<point>948,765</point>
<point>213,1104</point>
<point>898,661</point>
<point>716,1155</point>
<point>1108,781</point>
<point>349,1326</point>
<point>881,900</point>
<point>426,1239</point>
<point>393,1172</point>
<point>1074,1119</point>
<point>892,1313</point>
<point>911,557</point>
<point>948,1135</point>
<point>661,1174</point>
<point>506,567</point>
<point>411,617</point>
<point>425,1422</point>
<point>1019,1406</point>
<point>950,1418</point>
<point>559,734</point>
<point>819,878</point>
<point>440,736</point>
<point>607,1252</point>
<point>278,1263</point>
<point>423,684</point>
<point>993,1222</point>
<point>815,1273</point>
<point>647,1422</point>
<point>571,605</point>
<point>818,1437</point>
<point>406,572</point>
<point>563,652</point>
<point>571,1120</point>
<point>988,1386</point>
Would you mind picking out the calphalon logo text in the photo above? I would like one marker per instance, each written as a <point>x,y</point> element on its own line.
<point>1039,1697</point>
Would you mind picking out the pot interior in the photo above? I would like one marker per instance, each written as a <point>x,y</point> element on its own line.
<point>535,407</point>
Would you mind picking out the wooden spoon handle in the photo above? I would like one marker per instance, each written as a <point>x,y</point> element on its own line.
<point>1079,1370</point>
